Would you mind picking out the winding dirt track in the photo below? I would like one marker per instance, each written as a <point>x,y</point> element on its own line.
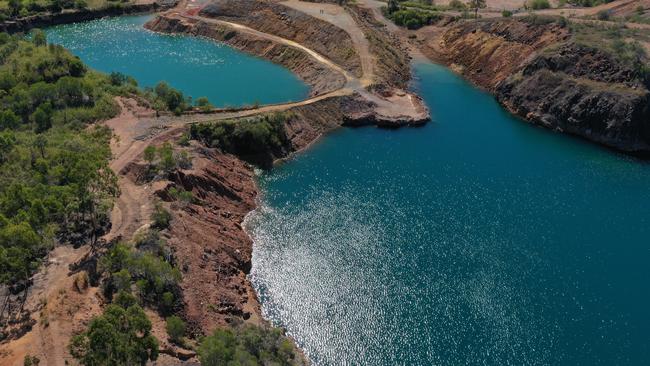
<point>133,207</point>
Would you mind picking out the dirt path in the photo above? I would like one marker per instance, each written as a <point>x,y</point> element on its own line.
<point>59,309</point>
<point>133,207</point>
<point>351,80</point>
<point>337,16</point>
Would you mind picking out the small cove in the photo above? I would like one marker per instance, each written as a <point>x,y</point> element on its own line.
<point>196,66</point>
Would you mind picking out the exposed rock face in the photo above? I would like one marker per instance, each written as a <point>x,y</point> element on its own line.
<point>282,21</point>
<point>211,248</point>
<point>321,78</point>
<point>488,52</point>
<point>540,74</point>
<point>584,92</point>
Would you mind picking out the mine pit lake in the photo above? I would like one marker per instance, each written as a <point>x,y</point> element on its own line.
<point>477,239</point>
<point>198,67</point>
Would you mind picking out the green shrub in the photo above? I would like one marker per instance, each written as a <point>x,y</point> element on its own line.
<point>256,139</point>
<point>413,19</point>
<point>118,337</point>
<point>150,154</point>
<point>160,217</point>
<point>251,345</point>
<point>175,329</point>
<point>538,4</point>
<point>156,279</point>
<point>31,361</point>
<point>603,15</point>
<point>457,5</point>
<point>506,13</point>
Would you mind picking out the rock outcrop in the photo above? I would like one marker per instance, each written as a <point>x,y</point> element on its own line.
<point>212,250</point>
<point>585,92</point>
<point>540,73</point>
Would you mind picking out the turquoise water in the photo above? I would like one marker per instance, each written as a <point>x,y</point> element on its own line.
<point>196,66</point>
<point>476,240</point>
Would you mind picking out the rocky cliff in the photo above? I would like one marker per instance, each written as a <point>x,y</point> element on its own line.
<point>539,72</point>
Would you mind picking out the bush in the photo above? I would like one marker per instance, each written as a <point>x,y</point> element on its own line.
<point>160,217</point>
<point>246,345</point>
<point>413,19</point>
<point>538,4</point>
<point>150,154</point>
<point>256,139</point>
<point>506,13</point>
<point>603,15</point>
<point>175,329</point>
<point>153,275</point>
<point>31,361</point>
<point>457,5</point>
<point>118,337</point>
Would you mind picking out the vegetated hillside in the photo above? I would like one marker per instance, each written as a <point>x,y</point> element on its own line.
<point>55,185</point>
<point>584,79</point>
<point>56,188</point>
<point>316,34</point>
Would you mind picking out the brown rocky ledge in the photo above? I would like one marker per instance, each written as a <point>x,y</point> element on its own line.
<point>540,73</point>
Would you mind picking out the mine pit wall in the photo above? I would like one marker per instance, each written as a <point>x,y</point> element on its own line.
<point>538,73</point>
<point>47,20</point>
<point>279,20</point>
<point>319,77</point>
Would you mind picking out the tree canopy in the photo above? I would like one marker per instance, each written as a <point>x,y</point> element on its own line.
<point>118,337</point>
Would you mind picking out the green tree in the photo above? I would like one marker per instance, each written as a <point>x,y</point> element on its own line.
<point>160,217</point>
<point>392,6</point>
<point>175,329</point>
<point>150,154</point>
<point>38,37</point>
<point>14,7</point>
<point>42,118</point>
<point>166,154</point>
<point>476,5</point>
<point>118,337</point>
<point>247,345</point>
<point>7,143</point>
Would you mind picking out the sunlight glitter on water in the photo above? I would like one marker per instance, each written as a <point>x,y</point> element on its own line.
<point>197,66</point>
<point>476,240</point>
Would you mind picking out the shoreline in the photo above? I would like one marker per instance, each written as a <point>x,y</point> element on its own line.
<point>77,16</point>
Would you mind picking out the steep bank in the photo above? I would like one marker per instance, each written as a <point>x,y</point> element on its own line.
<point>539,71</point>
<point>320,78</point>
<point>82,15</point>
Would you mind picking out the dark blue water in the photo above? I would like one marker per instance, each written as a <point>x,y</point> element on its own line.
<point>196,66</point>
<point>476,240</point>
